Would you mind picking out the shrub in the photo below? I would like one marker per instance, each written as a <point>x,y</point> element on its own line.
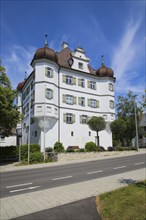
<point>110,148</point>
<point>101,149</point>
<point>81,150</point>
<point>119,149</point>
<point>90,147</point>
<point>58,147</point>
<point>24,150</point>
<point>9,151</point>
<point>49,149</point>
<point>70,150</point>
<point>36,157</point>
<point>133,148</point>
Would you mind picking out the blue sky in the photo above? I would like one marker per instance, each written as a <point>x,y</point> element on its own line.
<point>115,29</point>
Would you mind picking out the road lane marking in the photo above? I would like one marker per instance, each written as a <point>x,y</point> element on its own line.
<point>115,168</point>
<point>29,188</point>
<point>138,163</point>
<point>23,184</point>
<point>98,171</point>
<point>60,178</point>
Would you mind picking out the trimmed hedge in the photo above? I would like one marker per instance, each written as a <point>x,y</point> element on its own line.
<point>9,151</point>
<point>36,157</point>
<point>24,150</point>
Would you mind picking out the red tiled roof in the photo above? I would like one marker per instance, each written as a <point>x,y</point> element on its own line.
<point>63,57</point>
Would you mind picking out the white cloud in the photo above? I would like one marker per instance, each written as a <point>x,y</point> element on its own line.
<point>127,59</point>
<point>17,62</point>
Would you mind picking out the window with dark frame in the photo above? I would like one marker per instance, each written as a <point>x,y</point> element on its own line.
<point>92,85</point>
<point>68,118</point>
<point>84,119</point>
<point>69,80</point>
<point>80,65</point>
<point>35,134</point>
<point>69,99</point>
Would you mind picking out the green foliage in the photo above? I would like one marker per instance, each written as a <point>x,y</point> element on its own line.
<point>90,147</point>
<point>24,150</point>
<point>49,149</point>
<point>124,204</point>
<point>9,151</point>
<point>58,147</point>
<point>124,148</point>
<point>81,150</point>
<point>118,128</point>
<point>97,124</point>
<point>70,150</point>
<point>9,114</point>
<point>36,157</point>
<point>123,128</point>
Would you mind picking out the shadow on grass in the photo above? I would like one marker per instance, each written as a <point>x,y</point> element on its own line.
<point>131,181</point>
<point>126,181</point>
<point>141,184</point>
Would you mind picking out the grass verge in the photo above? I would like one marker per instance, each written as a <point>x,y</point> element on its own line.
<point>127,203</point>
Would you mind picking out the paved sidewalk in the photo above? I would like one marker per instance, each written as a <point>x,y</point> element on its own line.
<point>20,205</point>
<point>81,210</point>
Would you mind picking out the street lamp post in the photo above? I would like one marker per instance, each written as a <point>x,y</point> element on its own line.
<point>44,125</point>
<point>29,126</point>
<point>19,136</point>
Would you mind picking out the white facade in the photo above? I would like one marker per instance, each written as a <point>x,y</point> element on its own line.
<point>57,101</point>
<point>8,141</point>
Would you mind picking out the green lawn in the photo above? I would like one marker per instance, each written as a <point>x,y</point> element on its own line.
<point>127,203</point>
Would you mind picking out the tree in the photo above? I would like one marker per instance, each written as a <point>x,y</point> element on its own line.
<point>118,128</point>
<point>9,115</point>
<point>126,108</point>
<point>96,124</point>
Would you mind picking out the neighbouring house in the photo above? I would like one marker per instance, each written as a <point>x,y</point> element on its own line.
<point>61,94</point>
<point>8,141</point>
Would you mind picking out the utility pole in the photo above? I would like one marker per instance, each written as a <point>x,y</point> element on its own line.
<point>136,127</point>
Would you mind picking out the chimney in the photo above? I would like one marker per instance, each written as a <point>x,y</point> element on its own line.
<point>64,45</point>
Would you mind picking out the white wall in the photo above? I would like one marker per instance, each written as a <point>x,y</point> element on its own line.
<point>8,141</point>
<point>51,107</point>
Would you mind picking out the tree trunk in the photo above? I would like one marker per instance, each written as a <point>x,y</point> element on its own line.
<point>97,140</point>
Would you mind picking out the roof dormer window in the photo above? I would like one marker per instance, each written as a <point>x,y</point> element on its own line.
<point>80,65</point>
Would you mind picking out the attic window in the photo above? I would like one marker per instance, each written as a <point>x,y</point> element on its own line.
<point>2,139</point>
<point>80,65</point>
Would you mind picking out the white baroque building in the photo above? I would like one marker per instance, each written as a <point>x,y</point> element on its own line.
<point>61,94</point>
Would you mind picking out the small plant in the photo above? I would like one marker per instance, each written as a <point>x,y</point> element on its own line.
<point>70,150</point>
<point>81,150</point>
<point>100,149</point>
<point>49,149</point>
<point>90,147</point>
<point>58,147</point>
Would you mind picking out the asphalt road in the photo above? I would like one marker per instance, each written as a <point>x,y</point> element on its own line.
<point>25,181</point>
